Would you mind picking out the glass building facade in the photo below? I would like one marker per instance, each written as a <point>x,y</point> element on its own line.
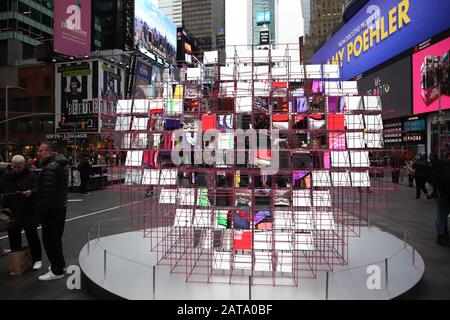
<point>24,25</point>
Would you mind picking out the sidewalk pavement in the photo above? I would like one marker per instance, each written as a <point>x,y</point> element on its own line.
<point>403,213</point>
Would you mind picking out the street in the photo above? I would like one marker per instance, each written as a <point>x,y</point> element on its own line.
<point>403,213</point>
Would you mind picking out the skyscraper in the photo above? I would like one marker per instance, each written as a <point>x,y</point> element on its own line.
<point>204,20</point>
<point>266,9</point>
<point>26,34</point>
<point>173,9</point>
<point>246,19</point>
<point>25,25</point>
<point>324,18</point>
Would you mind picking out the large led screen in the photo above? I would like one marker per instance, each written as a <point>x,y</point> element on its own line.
<point>431,84</point>
<point>382,30</point>
<point>393,84</point>
<point>153,31</point>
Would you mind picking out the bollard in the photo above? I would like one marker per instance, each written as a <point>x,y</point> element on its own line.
<point>404,240</point>
<point>154,282</point>
<point>326,285</point>
<point>250,288</point>
<point>104,263</point>
<point>386,273</point>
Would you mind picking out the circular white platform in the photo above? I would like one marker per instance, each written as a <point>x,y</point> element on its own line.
<point>129,273</point>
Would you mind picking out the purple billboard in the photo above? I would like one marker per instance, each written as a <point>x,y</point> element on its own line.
<point>72,32</point>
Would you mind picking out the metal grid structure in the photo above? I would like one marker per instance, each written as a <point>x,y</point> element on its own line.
<point>258,168</point>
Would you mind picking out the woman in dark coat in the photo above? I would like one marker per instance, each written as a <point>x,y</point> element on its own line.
<point>18,187</point>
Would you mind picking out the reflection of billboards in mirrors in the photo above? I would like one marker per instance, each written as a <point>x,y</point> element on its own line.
<point>431,83</point>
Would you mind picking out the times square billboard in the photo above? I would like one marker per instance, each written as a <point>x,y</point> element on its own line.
<point>431,76</point>
<point>86,92</point>
<point>382,30</point>
<point>154,33</point>
<point>72,27</point>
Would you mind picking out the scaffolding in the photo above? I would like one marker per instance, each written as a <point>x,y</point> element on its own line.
<point>262,167</point>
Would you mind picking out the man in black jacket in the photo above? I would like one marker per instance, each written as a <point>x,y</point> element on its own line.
<point>441,181</point>
<point>19,187</point>
<point>52,207</point>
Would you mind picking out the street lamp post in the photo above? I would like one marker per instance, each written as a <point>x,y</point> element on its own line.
<point>6,117</point>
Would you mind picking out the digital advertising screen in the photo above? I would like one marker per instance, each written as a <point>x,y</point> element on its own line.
<point>72,27</point>
<point>143,80</point>
<point>382,30</point>
<point>263,17</point>
<point>431,83</point>
<point>393,84</point>
<point>154,32</point>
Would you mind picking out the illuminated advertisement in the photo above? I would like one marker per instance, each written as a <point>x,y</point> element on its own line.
<point>393,84</point>
<point>263,17</point>
<point>154,32</point>
<point>112,86</point>
<point>82,91</point>
<point>143,80</point>
<point>431,83</point>
<point>75,91</point>
<point>72,27</point>
<point>382,30</point>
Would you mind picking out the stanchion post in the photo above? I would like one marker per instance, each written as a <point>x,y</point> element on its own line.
<point>404,240</point>
<point>104,263</point>
<point>250,288</point>
<point>154,282</point>
<point>386,268</point>
<point>327,283</point>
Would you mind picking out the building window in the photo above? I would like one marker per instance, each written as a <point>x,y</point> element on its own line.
<point>22,104</point>
<point>46,126</point>
<point>22,126</point>
<point>48,84</point>
<point>43,104</point>
<point>23,83</point>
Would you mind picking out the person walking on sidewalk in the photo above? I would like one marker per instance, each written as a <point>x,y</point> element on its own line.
<point>433,163</point>
<point>52,190</point>
<point>441,180</point>
<point>84,167</point>
<point>19,183</point>
<point>410,170</point>
<point>422,174</point>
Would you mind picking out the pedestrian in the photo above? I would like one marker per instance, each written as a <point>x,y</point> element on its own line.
<point>396,164</point>
<point>422,174</point>
<point>441,179</point>
<point>84,167</point>
<point>52,190</point>
<point>19,186</point>
<point>410,171</point>
<point>433,163</point>
<point>3,167</point>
